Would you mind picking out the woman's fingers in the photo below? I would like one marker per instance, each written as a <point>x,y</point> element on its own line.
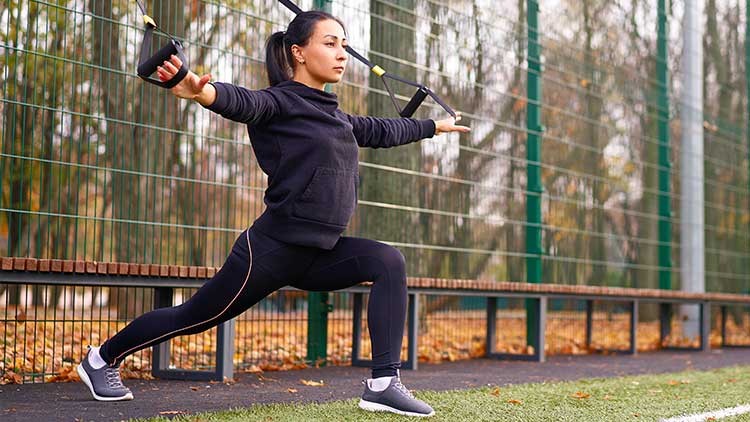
<point>449,125</point>
<point>170,67</point>
<point>456,128</point>
<point>163,74</point>
<point>203,81</point>
<point>175,61</point>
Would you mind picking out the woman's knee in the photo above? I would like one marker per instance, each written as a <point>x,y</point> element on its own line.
<point>396,260</point>
<point>391,262</point>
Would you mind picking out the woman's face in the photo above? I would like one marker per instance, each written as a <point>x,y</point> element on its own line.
<point>324,57</point>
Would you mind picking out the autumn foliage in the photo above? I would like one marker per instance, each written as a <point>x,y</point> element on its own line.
<point>36,349</point>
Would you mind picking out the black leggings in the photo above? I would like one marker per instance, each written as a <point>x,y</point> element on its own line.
<point>258,266</point>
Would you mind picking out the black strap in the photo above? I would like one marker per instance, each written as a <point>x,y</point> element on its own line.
<point>416,100</point>
<point>147,64</point>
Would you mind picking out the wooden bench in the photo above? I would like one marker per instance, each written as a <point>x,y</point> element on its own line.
<point>164,278</point>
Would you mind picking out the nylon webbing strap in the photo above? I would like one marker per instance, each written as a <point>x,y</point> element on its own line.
<point>147,63</point>
<point>416,100</point>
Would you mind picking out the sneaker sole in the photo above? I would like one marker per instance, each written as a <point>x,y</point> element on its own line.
<point>85,378</point>
<point>377,407</point>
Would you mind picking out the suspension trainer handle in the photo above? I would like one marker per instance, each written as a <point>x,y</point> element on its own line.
<point>416,99</point>
<point>147,63</point>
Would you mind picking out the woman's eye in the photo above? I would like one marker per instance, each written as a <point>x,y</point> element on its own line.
<point>330,44</point>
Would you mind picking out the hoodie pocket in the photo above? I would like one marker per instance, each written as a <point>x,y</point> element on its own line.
<point>330,197</point>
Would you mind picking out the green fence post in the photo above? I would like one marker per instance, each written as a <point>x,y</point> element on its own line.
<point>747,97</point>
<point>665,165</point>
<point>534,189</point>
<point>317,302</point>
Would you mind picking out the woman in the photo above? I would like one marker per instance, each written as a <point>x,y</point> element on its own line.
<point>309,150</point>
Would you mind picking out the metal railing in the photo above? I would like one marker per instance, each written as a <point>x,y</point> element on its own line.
<point>434,315</point>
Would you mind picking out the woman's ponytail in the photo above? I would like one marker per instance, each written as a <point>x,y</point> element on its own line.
<point>279,59</point>
<point>277,65</point>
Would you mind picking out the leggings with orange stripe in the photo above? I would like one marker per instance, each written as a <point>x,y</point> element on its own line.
<point>258,266</point>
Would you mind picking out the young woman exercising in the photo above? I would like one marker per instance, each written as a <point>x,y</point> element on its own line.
<point>309,150</point>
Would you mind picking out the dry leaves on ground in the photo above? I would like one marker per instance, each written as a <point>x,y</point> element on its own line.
<point>265,344</point>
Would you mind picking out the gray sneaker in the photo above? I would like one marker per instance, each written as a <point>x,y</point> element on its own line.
<point>396,399</point>
<point>105,383</point>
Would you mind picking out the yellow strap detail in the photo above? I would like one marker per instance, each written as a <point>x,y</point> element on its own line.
<point>148,21</point>
<point>378,70</point>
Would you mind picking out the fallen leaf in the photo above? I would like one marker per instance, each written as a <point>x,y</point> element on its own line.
<point>732,380</point>
<point>254,369</point>
<point>514,401</point>
<point>170,412</point>
<point>673,382</point>
<point>11,377</point>
<point>291,390</point>
<point>581,395</point>
<point>495,391</point>
<point>194,388</point>
<point>21,316</point>
<point>312,383</point>
<point>607,397</point>
<point>636,383</point>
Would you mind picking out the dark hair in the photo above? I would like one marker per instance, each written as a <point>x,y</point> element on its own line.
<point>279,57</point>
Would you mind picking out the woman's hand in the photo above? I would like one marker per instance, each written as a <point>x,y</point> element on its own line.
<point>192,87</point>
<point>449,125</point>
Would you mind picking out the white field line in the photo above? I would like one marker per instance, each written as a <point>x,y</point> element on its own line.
<point>717,414</point>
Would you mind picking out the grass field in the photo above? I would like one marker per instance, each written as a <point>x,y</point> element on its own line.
<point>634,398</point>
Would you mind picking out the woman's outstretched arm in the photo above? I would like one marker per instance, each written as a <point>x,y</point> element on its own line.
<point>231,101</point>
<point>375,132</point>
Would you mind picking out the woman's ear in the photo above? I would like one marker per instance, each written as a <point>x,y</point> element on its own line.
<point>299,57</point>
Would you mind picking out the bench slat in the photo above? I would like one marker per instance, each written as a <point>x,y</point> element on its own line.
<point>197,272</point>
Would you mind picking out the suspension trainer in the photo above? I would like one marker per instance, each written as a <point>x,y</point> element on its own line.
<point>416,100</point>
<point>148,64</point>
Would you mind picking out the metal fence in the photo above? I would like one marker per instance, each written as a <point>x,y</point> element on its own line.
<point>576,183</point>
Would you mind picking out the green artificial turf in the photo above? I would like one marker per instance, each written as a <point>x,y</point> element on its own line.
<point>634,398</point>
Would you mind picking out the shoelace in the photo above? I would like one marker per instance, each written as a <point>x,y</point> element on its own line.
<point>113,378</point>
<point>400,387</point>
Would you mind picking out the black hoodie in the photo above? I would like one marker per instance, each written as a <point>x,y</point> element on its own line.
<point>309,150</point>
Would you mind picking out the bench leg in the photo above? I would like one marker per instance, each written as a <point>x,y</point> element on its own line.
<point>163,297</point>
<point>633,328</point>
<point>723,325</point>
<point>491,338</point>
<point>540,327</point>
<point>412,323</point>
<point>225,350</point>
<point>357,305</point>
<point>665,321</point>
<point>160,352</point>
<point>589,322</point>
<point>705,328</point>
